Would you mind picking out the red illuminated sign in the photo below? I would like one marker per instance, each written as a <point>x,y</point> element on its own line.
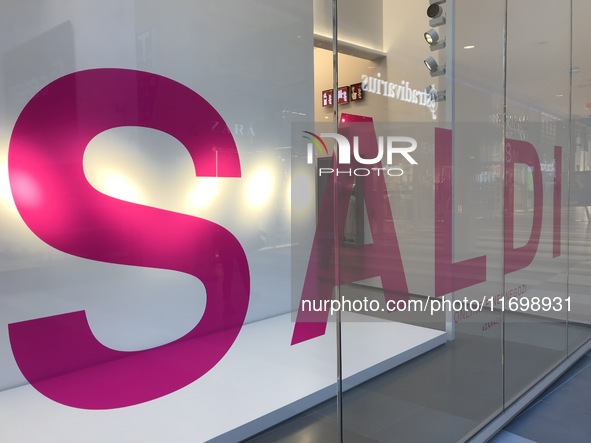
<point>356,92</point>
<point>327,98</point>
<point>343,95</point>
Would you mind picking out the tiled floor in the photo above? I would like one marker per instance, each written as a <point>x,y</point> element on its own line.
<point>393,408</point>
<point>562,414</point>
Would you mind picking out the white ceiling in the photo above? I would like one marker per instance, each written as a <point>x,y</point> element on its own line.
<point>538,44</point>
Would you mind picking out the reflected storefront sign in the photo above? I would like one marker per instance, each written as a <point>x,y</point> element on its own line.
<point>358,262</point>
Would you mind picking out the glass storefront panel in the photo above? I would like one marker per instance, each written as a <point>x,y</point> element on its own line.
<point>577,168</point>
<point>146,263</point>
<point>445,213</point>
<point>537,145</point>
<point>221,216</point>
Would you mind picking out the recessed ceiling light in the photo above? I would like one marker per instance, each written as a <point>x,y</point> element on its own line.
<point>469,47</point>
<point>559,95</point>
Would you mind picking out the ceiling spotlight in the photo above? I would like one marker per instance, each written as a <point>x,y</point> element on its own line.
<point>432,37</point>
<point>434,94</point>
<point>433,67</point>
<point>431,64</point>
<point>434,11</point>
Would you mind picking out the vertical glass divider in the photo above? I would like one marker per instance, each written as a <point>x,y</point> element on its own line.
<point>336,239</point>
<point>450,117</point>
<point>503,209</point>
<point>568,169</point>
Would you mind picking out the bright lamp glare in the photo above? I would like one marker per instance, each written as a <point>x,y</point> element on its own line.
<point>118,186</point>
<point>259,188</point>
<point>204,192</point>
<point>5,192</point>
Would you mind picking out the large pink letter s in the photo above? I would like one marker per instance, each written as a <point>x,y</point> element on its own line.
<point>59,355</point>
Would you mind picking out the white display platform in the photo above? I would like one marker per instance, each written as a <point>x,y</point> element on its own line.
<point>260,382</point>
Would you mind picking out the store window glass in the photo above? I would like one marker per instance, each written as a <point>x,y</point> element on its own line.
<point>577,170</point>
<point>360,221</point>
<point>446,212</point>
<point>146,265</point>
<point>538,144</point>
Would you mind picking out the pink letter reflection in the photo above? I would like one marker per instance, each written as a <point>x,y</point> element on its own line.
<point>520,151</point>
<point>358,262</point>
<point>449,276</point>
<point>59,355</point>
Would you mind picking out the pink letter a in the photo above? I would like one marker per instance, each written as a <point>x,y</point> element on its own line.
<point>379,259</point>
